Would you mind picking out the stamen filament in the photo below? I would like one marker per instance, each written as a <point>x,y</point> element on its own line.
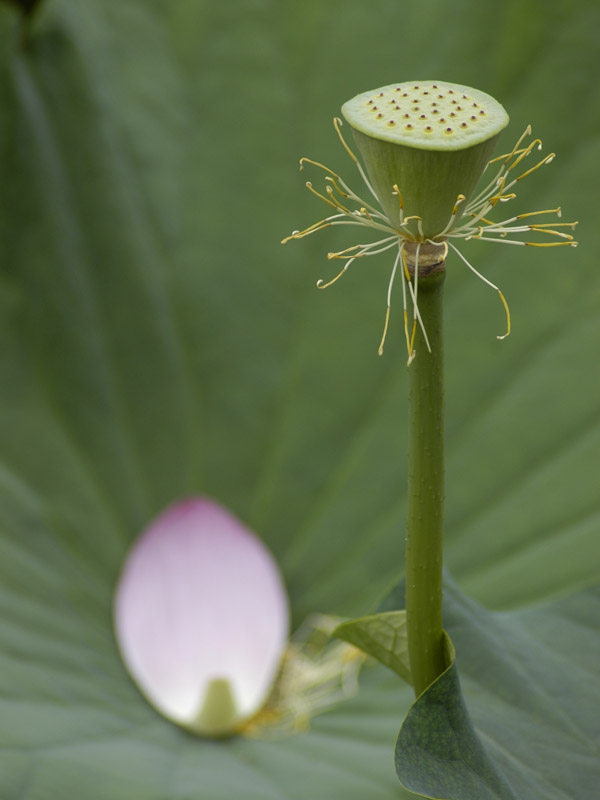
<point>322,197</point>
<point>524,153</point>
<point>505,158</point>
<point>335,201</point>
<point>363,247</point>
<point>503,230</point>
<point>450,223</point>
<point>321,285</point>
<point>556,211</point>
<point>546,160</point>
<point>305,160</point>
<point>522,244</point>
<point>492,285</point>
<point>337,124</point>
<point>385,327</point>
<point>389,301</point>
<point>335,185</point>
<point>342,183</point>
<point>413,295</point>
<point>404,304</point>
<point>398,194</point>
<point>318,226</point>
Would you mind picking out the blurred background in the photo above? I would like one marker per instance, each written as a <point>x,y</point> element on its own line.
<point>158,341</point>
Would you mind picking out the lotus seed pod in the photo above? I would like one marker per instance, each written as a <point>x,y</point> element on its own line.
<point>431,139</point>
<point>201,617</point>
<point>425,145</point>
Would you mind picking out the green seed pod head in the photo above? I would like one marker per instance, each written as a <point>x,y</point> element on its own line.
<point>431,139</point>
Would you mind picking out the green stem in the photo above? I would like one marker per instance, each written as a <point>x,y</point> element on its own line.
<point>425,519</point>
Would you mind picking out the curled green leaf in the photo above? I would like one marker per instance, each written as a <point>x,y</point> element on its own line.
<point>382,636</point>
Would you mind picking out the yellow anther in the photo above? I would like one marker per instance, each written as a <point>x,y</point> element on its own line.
<point>385,328</point>
<point>459,200</point>
<point>550,244</point>
<point>398,193</point>
<point>342,253</point>
<point>322,285</point>
<point>523,154</point>
<point>305,160</point>
<point>541,163</point>
<point>507,156</point>
<point>316,226</point>
<point>411,346</point>
<point>555,225</point>
<point>551,232</point>
<point>311,188</point>
<point>545,211</point>
<point>405,267</point>
<point>336,186</point>
<point>335,201</point>
<point>507,310</point>
<point>337,124</point>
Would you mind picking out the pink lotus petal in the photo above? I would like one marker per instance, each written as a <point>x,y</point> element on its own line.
<point>201,617</point>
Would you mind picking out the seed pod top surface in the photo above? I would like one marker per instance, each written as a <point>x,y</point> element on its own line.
<point>429,115</point>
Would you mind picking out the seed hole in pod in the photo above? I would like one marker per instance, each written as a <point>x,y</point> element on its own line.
<point>448,130</point>
<point>406,116</point>
<point>379,116</point>
<point>482,113</point>
<point>428,128</point>
<point>435,111</point>
<point>391,123</point>
<point>452,114</point>
<point>463,125</point>
<point>423,116</point>
<point>408,127</point>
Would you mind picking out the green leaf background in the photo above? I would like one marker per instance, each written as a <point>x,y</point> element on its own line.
<point>156,340</point>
